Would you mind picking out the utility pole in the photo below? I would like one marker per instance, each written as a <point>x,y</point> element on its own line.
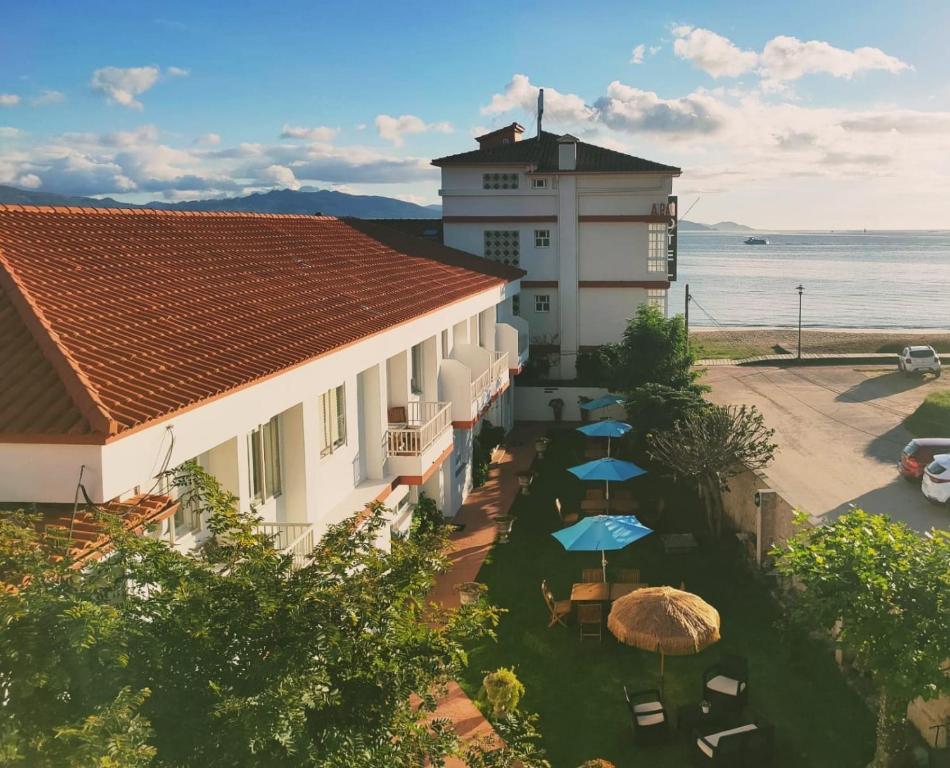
<point>801,290</point>
<point>686,314</point>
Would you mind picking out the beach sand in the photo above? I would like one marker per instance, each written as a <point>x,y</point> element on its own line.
<point>749,342</point>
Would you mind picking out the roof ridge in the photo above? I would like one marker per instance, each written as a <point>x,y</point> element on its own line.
<point>78,386</point>
<point>18,208</point>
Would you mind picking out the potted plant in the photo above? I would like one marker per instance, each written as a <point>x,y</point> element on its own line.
<point>470,592</point>
<point>524,480</point>
<point>541,445</point>
<point>585,414</point>
<point>501,692</point>
<point>503,523</point>
<point>557,405</point>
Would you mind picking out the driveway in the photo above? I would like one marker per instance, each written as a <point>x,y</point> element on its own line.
<point>839,431</point>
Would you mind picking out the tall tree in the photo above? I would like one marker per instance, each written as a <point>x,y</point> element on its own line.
<point>711,445</point>
<point>885,591</point>
<point>654,350</point>
<point>230,655</point>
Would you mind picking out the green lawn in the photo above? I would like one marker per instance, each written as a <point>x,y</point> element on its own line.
<point>932,417</point>
<point>576,688</point>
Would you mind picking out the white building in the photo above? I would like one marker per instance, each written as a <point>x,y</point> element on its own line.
<point>590,226</point>
<point>312,365</point>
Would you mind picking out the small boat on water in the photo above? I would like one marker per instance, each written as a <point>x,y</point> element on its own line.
<point>756,241</point>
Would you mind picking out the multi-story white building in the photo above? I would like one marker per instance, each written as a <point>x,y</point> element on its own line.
<point>313,365</point>
<point>593,228</point>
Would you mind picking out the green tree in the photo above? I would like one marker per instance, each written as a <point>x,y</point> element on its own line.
<point>712,444</point>
<point>654,350</point>
<point>885,591</point>
<point>230,655</point>
<point>657,407</point>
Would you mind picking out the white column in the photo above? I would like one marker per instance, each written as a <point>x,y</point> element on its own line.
<point>311,427</point>
<point>567,299</point>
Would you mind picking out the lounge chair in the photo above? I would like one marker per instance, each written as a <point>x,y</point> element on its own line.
<point>567,518</point>
<point>648,716</point>
<point>559,610</point>
<point>590,616</point>
<point>726,683</point>
<point>746,746</point>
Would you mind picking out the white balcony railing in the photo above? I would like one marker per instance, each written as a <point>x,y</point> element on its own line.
<point>291,538</point>
<point>480,386</point>
<point>499,366</point>
<point>426,422</point>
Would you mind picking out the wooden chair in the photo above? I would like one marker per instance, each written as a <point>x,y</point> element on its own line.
<point>567,518</point>
<point>596,494</point>
<point>592,575</point>
<point>630,575</point>
<point>559,610</point>
<point>590,616</point>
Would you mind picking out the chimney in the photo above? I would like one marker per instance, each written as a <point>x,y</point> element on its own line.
<point>567,152</point>
<point>507,135</point>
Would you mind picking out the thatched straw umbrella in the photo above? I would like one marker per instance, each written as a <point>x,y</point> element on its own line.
<point>664,619</point>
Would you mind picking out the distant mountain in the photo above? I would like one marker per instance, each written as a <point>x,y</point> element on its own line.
<point>722,226</point>
<point>305,201</point>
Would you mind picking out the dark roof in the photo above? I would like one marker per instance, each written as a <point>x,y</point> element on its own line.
<point>542,153</point>
<point>114,318</point>
<point>430,229</point>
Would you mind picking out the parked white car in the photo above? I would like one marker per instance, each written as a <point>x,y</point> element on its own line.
<point>936,482</point>
<point>918,360</point>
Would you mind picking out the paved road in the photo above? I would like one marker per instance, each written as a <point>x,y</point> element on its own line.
<point>839,430</point>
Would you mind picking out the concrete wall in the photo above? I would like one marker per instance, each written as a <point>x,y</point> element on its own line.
<point>772,523</point>
<point>531,403</point>
<point>604,313</point>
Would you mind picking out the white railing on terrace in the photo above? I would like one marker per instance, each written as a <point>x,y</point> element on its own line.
<point>499,364</point>
<point>480,386</point>
<point>426,422</point>
<point>291,538</point>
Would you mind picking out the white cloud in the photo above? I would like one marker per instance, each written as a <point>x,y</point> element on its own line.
<point>47,97</point>
<point>177,72</point>
<point>208,140</point>
<point>626,108</point>
<point>121,86</point>
<point>394,129</point>
<point>280,176</point>
<point>712,53</point>
<point>9,99</point>
<point>783,59</point>
<point>319,133</point>
<point>520,94</point>
<point>637,54</point>
<point>9,132</point>
<point>899,121</point>
<point>29,181</point>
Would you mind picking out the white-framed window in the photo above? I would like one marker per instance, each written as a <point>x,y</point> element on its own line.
<point>263,454</point>
<point>542,302</point>
<point>539,183</point>
<point>656,297</point>
<point>333,419</point>
<point>656,248</point>
<point>415,378</point>
<point>499,181</point>
<point>542,238</point>
<point>503,245</point>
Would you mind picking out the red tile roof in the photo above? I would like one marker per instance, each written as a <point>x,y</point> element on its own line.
<point>113,318</point>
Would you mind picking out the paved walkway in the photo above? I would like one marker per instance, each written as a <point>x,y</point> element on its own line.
<point>468,550</point>
<point>813,357</point>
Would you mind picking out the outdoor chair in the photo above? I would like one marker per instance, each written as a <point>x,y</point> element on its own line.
<point>595,494</point>
<point>648,716</point>
<point>559,610</point>
<point>630,575</point>
<point>592,575</point>
<point>746,746</point>
<point>567,518</point>
<point>726,683</point>
<point>397,415</point>
<point>590,616</point>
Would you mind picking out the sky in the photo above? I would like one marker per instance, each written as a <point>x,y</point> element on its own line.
<point>827,115</point>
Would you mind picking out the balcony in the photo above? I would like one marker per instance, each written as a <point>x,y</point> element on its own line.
<point>511,336</point>
<point>291,538</point>
<point>499,371</point>
<point>414,445</point>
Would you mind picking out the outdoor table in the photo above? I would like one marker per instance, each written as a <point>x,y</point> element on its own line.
<point>691,718</point>
<point>620,588</point>
<point>593,505</point>
<point>623,506</point>
<point>678,543</point>
<point>594,494</point>
<point>590,592</point>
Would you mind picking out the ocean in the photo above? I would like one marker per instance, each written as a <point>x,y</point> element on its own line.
<point>867,280</point>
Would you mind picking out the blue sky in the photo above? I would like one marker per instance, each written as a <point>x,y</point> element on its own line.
<point>806,114</point>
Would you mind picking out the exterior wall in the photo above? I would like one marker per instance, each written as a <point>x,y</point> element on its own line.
<point>772,523</point>
<point>531,403</point>
<point>615,251</point>
<point>604,313</point>
<point>544,326</point>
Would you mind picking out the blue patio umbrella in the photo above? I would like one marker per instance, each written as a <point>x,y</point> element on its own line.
<point>607,470</point>
<point>602,532</point>
<point>602,402</point>
<point>607,428</point>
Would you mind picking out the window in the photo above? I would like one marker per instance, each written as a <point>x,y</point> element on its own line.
<point>333,419</point>
<point>656,297</point>
<point>539,183</point>
<point>503,245</point>
<point>263,452</point>
<point>656,247</point>
<point>542,303</point>
<point>415,379</point>
<point>516,305</point>
<point>499,181</point>
<point>542,238</point>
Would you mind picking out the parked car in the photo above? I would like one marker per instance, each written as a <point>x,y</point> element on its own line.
<point>918,360</point>
<point>936,483</point>
<point>918,453</point>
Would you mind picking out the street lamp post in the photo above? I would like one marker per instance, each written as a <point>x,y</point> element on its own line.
<point>801,290</point>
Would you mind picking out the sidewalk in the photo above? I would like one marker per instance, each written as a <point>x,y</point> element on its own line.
<point>807,358</point>
<point>468,549</point>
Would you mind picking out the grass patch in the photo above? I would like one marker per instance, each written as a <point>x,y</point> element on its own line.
<point>728,349</point>
<point>576,688</point>
<point>932,417</point>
